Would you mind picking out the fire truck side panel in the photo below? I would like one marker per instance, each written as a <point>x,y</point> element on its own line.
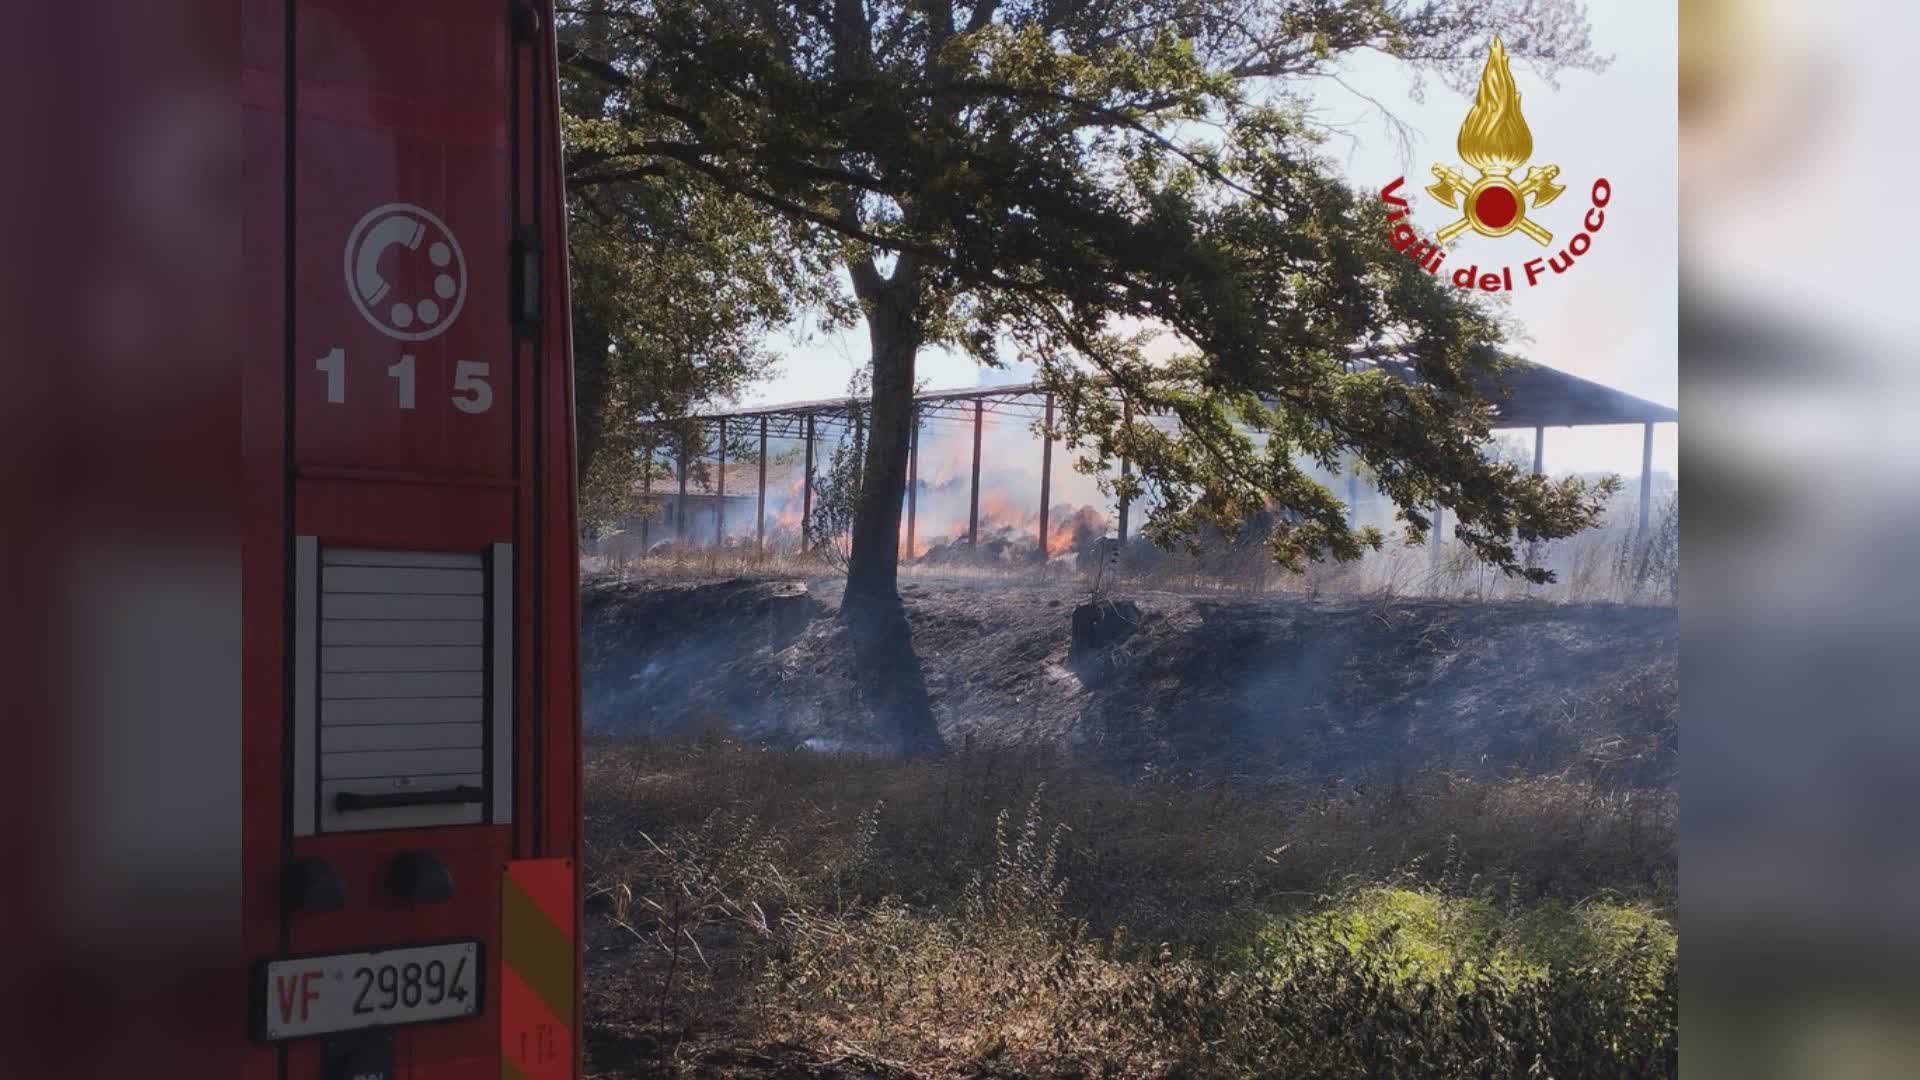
<point>411,614</point>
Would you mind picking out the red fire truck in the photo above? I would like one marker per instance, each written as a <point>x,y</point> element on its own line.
<point>411,744</point>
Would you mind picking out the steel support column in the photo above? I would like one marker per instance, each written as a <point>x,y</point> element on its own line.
<point>1539,451</point>
<point>680,505</point>
<point>1046,476</point>
<point>913,478</point>
<point>1126,470</point>
<point>806,490</point>
<point>973,508</point>
<point>760,508</point>
<point>1646,477</point>
<point>720,493</point>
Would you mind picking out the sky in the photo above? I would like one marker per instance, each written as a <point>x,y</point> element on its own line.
<point>1611,318</point>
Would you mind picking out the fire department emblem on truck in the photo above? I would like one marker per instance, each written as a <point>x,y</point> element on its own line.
<point>416,234</point>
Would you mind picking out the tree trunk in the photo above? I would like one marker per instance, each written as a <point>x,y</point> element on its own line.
<point>886,666</point>
<point>873,568</point>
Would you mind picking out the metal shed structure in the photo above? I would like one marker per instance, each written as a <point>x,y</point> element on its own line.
<point>1536,397</point>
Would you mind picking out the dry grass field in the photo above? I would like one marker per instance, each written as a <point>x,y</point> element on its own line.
<point>765,913</point>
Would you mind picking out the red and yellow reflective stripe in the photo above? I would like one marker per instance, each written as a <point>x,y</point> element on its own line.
<point>536,970</point>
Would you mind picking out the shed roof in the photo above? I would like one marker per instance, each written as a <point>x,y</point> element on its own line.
<point>1541,396</point>
<point>1535,395</point>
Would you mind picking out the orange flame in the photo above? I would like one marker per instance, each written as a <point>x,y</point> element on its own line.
<point>919,546</point>
<point>1065,525</point>
<point>786,517</point>
<point>1063,530</point>
<point>1495,137</point>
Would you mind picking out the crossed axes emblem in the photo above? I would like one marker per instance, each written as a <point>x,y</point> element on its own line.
<point>1494,205</point>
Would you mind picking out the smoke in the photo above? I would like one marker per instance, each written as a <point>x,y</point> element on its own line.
<point>1011,457</point>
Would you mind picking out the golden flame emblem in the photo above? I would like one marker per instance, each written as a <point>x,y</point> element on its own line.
<point>1495,140</point>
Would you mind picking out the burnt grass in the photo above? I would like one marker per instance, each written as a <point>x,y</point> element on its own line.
<point>1243,837</point>
<point>1332,689</point>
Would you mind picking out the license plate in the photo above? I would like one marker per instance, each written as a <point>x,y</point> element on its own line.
<point>313,995</point>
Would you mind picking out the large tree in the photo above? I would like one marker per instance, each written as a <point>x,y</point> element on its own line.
<point>1062,179</point>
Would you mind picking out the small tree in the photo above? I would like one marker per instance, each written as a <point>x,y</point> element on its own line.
<point>836,496</point>
<point>837,492</point>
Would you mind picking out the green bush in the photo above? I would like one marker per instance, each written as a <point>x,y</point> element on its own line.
<point>1396,981</point>
<point>1424,933</point>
